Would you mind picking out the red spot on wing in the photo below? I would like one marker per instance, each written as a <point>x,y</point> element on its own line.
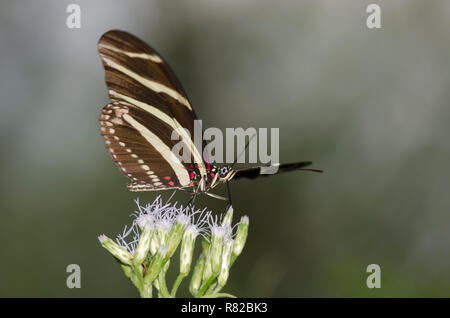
<point>167,178</point>
<point>212,175</point>
<point>171,183</point>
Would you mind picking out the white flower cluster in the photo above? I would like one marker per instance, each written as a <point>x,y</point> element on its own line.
<point>145,248</point>
<point>162,217</point>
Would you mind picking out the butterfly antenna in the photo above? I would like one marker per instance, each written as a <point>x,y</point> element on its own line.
<point>243,151</point>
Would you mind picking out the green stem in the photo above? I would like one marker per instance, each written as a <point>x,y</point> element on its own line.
<point>138,281</point>
<point>211,287</point>
<point>205,286</point>
<point>217,295</point>
<point>147,291</point>
<point>177,284</point>
<point>162,285</point>
<point>217,289</point>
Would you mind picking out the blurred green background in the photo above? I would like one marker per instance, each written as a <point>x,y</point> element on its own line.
<point>368,106</point>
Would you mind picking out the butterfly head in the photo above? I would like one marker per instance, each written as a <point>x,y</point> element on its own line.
<point>223,171</point>
<point>220,175</point>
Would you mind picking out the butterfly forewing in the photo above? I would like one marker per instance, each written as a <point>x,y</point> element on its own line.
<point>148,104</point>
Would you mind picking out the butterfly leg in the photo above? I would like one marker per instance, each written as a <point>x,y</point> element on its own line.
<point>216,196</point>
<point>229,195</point>
<point>171,196</point>
<point>193,195</point>
<point>219,197</point>
<point>192,199</point>
<point>196,192</point>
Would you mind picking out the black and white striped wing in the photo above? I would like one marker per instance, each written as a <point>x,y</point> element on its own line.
<point>140,152</point>
<point>148,103</point>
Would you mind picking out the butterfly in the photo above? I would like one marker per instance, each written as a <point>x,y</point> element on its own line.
<point>147,104</point>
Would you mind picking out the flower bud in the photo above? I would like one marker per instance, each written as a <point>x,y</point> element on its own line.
<point>136,275</point>
<point>143,245</point>
<point>228,217</point>
<point>156,265</point>
<point>241,236</point>
<point>162,228</point>
<point>215,250</point>
<point>207,270</point>
<point>196,279</point>
<point>187,248</point>
<point>145,221</point>
<point>126,269</point>
<point>154,243</point>
<point>176,234</point>
<point>116,250</point>
<point>226,261</point>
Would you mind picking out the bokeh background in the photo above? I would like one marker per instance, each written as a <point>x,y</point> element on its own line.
<point>371,107</point>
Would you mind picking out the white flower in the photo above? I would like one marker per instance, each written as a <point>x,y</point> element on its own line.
<point>161,217</point>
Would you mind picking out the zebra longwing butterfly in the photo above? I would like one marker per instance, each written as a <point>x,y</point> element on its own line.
<point>147,104</point>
